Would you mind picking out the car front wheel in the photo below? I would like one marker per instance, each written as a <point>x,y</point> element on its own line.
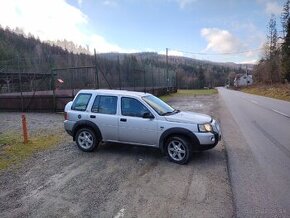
<point>86,139</point>
<point>178,149</point>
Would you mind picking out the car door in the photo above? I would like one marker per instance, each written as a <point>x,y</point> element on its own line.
<point>79,107</point>
<point>104,114</point>
<point>133,128</point>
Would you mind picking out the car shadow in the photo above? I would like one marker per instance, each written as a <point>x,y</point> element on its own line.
<point>116,150</point>
<point>129,150</point>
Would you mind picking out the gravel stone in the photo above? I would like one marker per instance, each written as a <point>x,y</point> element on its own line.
<point>116,180</point>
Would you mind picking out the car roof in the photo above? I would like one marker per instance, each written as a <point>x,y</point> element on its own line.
<point>114,92</point>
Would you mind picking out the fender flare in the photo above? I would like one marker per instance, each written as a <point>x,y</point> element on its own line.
<point>178,131</point>
<point>88,124</point>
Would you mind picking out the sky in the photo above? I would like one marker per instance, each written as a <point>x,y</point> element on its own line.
<point>215,30</point>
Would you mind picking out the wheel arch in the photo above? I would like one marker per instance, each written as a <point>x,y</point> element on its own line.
<point>86,124</point>
<point>193,140</point>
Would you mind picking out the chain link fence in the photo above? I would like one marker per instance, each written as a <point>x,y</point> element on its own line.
<point>39,84</point>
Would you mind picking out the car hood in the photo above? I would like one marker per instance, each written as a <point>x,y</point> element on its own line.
<point>188,117</point>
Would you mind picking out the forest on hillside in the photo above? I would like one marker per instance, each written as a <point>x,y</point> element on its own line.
<point>20,53</point>
<point>274,66</point>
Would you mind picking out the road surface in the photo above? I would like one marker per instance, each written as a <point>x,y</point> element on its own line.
<point>256,131</point>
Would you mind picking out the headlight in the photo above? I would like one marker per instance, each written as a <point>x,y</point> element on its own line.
<point>205,127</point>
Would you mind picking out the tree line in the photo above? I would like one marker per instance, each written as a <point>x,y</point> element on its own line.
<point>25,53</point>
<point>274,66</point>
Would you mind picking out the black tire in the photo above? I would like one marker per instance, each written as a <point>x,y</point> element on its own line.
<point>178,149</point>
<point>86,139</point>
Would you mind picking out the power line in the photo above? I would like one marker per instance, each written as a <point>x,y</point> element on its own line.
<point>225,53</point>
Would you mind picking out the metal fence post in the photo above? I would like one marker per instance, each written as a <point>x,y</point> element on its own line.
<point>20,85</point>
<point>153,84</point>
<point>144,73</point>
<point>97,73</point>
<point>53,91</point>
<point>167,76</point>
<point>119,71</point>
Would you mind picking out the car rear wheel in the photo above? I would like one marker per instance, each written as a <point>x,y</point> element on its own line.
<point>178,149</point>
<point>86,139</point>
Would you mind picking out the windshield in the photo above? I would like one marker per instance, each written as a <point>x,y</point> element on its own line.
<point>158,105</point>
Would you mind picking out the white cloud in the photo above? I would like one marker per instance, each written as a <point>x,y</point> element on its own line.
<point>273,8</point>
<point>80,2</point>
<point>112,3</point>
<point>221,41</point>
<point>184,3</point>
<point>53,20</point>
<point>253,61</point>
<point>102,45</point>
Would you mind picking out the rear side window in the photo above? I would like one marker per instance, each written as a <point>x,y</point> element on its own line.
<point>81,102</point>
<point>105,104</point>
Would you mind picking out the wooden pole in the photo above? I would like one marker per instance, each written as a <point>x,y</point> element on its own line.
<point>24,129</point>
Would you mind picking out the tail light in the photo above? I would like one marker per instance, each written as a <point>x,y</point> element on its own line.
<point>65,116</point>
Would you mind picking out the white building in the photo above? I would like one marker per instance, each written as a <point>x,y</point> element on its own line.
<point>243,80</point>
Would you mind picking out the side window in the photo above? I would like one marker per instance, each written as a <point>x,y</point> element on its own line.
<point>132,107</point>
<point>105,104</point>
<point>81,102</point>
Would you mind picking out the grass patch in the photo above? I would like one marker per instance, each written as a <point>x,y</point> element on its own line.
<point>279,91</point>
<point>13,151</point>
<point>189,92</point>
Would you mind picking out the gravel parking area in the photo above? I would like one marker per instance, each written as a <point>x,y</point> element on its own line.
<point>37,123</point>
<point>116,180</point>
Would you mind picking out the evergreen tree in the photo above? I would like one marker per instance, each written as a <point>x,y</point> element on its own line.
<point>272,53</point>
<point>201,78</point>
<point>285,17</point>
<point>285,61</point>
<point>272,37</point>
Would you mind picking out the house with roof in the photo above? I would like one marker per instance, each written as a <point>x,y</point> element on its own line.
<point>243,80</point>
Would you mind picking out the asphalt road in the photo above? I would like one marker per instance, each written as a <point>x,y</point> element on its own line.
<point>256,132</point>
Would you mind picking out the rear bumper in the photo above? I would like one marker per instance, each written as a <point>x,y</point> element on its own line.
<point>68,126</point>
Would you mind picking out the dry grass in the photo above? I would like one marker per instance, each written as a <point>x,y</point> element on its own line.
<point>13,151</point>
<point>189,92</point>
<point>278,91</point>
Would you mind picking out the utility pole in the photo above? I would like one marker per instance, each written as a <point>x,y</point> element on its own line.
<point>167,70</point>
<point>97,74</point>
<point>119,72</point>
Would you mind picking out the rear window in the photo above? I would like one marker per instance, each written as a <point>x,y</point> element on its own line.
<point>81,102</point>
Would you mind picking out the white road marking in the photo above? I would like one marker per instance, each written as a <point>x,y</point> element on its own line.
<point>276,111</point>
<point>279,112</point>
<point>254,102</point>
<point>120,213</point>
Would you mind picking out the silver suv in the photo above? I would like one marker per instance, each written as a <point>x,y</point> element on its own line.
<point>138,118</point>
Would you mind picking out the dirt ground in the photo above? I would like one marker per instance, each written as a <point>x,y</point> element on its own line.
<point>116,180</point>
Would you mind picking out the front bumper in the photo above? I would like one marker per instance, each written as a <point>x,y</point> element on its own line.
<point>210,139</point>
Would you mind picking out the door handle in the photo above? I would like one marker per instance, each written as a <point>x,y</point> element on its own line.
<point>92,116</point>
<point>123,120</point>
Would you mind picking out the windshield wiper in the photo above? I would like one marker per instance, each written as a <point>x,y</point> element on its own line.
<point>170,112</point>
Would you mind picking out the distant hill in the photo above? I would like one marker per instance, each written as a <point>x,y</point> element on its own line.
<point>26,53</point>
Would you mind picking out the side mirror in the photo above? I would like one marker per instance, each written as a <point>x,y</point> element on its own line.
<point>148,115</point>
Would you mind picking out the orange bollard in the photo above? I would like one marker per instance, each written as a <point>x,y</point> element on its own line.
<point>24,129</point>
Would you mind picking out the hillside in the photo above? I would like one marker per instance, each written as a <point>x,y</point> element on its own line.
<point>19,52</point>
